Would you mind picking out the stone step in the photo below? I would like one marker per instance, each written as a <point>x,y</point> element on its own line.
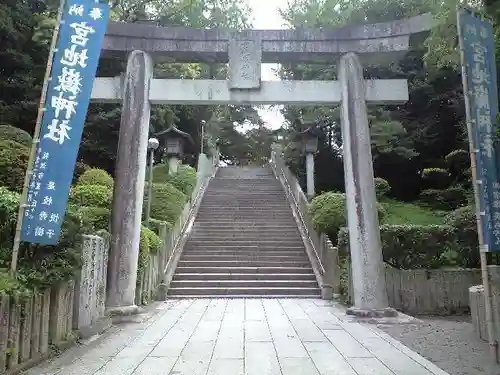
<point>245,276</point>
<point>248,239</point>
<point>247,252</point>
<point>188,268</point>
<point>242,296</point>
<point>310,284</point>
<point>231,245</point>
<point>255,248</point>
<point>260,291</point>
<point>283,243</point>
<point>261,257</point>
<point>244,263</point>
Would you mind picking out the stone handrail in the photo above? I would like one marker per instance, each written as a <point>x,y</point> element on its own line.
<point>322,254</point>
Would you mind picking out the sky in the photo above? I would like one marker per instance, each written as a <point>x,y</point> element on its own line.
<point>266,16</point>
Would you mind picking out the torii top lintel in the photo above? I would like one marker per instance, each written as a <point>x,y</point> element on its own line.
<point>183,44</point>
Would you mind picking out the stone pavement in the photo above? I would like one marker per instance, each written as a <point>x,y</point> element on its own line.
<point>243,337</point>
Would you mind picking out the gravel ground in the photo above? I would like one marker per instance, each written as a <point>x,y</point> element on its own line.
<point>450,343</point>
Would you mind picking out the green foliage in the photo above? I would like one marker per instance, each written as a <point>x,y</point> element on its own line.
<point>184,179</point>
<point>436,178</point>
<point>96,176</point>
<point>98,218</point>
<point>155,224</point>
<point>13,162</point>
<point>447,199</point>
<point>11,133</point>
<point>149,243</point>
<point>328,213</point>
<point>412,246</point>
<point>160,173</point>
<point>458,161</point>
<point>91,195</point>
<point>382,187</point>
<point>464,221</point>
<point>409,213</point>
<point>80,168</point>
<point>167,203</point>
<point>9,206</point>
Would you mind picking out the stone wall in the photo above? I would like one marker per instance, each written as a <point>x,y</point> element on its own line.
<point>430,292</point>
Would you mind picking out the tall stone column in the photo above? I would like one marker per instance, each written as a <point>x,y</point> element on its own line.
<point>370,295</point>
<point>129,186</point>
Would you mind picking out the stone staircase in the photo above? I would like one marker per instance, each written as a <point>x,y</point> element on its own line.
<point>244,242</point>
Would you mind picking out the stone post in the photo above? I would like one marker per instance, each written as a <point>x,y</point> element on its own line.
<point>129,186</point>
<point>370,295</point>
<point>310,175</point>
<point>173,165</point>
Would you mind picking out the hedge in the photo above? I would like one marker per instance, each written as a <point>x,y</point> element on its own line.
<point>184,179</point>
<point>167,202</point>
<point>96,176</point>
<point>149,243</point>
<point>11,133</point>
<point>160,174</point>
<point>328,213</point>
<point>412,246</point>
<point>448,199</point>
<point>436,178</point>
<point>464,221</point>
<point>9,206</point>
<point>154,225</point>
<point>97,218</point>
<point>382,187</point>
<point>91,195</point>
<point>13,162</point>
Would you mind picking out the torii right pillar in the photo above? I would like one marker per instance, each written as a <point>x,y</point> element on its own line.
<point>368,276</point>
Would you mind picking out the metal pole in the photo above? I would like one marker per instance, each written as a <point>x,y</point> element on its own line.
<point>36,138</point>
<point>150,185</point>
<point>472,151</point>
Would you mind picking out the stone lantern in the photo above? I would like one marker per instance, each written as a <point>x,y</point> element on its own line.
<point>309,142</point>
<point>174,142</point>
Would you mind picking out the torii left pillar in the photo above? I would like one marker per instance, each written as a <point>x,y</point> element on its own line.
<point>128,193</point>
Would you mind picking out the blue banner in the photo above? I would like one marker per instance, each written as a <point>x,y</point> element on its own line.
<point>480,90</point>
<point>73,71</point>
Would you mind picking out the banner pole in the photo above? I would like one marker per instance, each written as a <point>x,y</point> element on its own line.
<point>472,151</point>
<point>36,139</point>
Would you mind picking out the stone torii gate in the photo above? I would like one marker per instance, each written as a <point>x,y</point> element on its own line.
<point>245,51</point>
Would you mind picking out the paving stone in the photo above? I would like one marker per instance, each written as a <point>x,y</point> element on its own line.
<point>346,344</point>
<point>257,331</point>
<point>298,366</point>
<point>327,359</point>
<point>370,366</point>
<point>155,366</point>
<point>254,310</point>
<point>120,366</point>
<point>226,367</point>
<point>229,348</point>
<point>308,331</point>
<point>261,359</point>
<point>290,348</point>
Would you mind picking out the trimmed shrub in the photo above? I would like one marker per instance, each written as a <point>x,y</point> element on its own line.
<point>382,187</point>
<point>154,242</point>
<point>160,174</point>
<point>184,179</point>
<point>11,133</point>
<point>463,220</point>
<point>328,213</point>
<point>436,178</point>
<point>149,243</point>
<point>96,217</point>
<point>80,168</point>
<point>412,246</point>
<point>96,176</point>
<point>447,199</point>
<point>154,225</point>
<point>13,162</point>
<point>91,195</point>
<point>167,202</point>
<point>458,161</point>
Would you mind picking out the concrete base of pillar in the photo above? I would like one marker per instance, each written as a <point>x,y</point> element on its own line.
<point>123,313</point>
<point>326,292</point>
<point>370,313</point>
